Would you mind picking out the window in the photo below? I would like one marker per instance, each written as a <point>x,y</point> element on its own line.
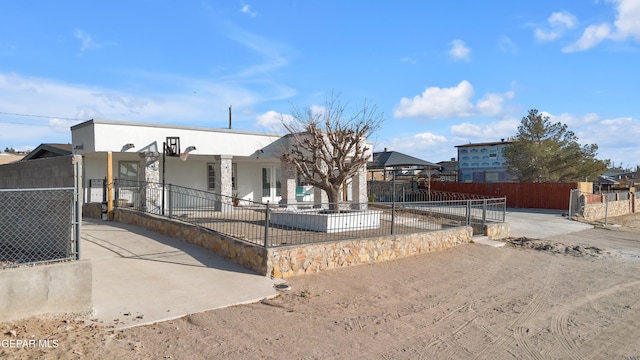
<point>129,170</point>
<point>234,176</point>
<point>211,176</point>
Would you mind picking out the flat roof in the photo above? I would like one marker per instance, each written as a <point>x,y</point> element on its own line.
<point>486,144</point>
<point>167,126</point>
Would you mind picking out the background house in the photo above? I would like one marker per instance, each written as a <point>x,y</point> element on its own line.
<point>483,162</point>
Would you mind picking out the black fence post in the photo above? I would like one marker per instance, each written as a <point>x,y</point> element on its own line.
<point>266,226</point>
<point>468,215</point>
<point>393,216</point>
<point>104,190</point>
<point>170,200</point>
<point>116,191</point>
<point>484,212</point>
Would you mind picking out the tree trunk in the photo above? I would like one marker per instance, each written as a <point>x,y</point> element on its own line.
<point>334,199</point>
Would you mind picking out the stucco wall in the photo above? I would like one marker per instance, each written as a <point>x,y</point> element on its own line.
<point>284,262</point>
<point>39,173</point>
<point>46,289</point>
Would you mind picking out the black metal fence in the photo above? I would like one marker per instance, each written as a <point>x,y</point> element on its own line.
<point>38,225</point>
<point>271,225</point>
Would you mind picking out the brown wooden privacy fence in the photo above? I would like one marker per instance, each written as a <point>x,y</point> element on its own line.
<point>554,196</point>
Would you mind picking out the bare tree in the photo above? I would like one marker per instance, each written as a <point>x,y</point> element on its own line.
<point>329,146</point>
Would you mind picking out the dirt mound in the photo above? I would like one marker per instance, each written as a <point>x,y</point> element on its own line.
<point>556,248</point>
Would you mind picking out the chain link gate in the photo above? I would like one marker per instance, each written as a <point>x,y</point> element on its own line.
<point>38,225</point>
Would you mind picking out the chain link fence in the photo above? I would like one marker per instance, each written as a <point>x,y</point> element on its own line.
<point>38,225</point>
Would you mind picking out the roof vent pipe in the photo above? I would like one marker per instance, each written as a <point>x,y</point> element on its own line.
<point>229,116</point>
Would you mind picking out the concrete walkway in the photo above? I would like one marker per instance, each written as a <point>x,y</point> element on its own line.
<point>142,277</point>
<point>540,224</point>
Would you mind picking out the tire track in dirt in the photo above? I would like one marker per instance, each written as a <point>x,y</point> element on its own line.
<point>629,324</point>
<point>441,321</point>
<point>454,345</point>
<point>559,322</point>
<point>504,340</point>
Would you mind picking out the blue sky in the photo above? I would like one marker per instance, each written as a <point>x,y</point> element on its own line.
<point>444,73</point>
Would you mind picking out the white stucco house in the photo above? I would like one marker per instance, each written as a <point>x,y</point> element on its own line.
<point>224,161</point>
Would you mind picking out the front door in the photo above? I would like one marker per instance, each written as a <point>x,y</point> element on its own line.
<point>271,184</point>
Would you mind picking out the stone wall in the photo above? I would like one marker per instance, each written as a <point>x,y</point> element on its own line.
<point>309,258</point>
<point>597,211</point>
<point>497,231</point>
<point>92,210</point>
<point>287,261</point>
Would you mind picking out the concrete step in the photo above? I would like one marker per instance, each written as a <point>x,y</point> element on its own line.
<point>484,240</point>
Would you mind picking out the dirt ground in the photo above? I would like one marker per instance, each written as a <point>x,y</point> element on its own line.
<point>574,296</point>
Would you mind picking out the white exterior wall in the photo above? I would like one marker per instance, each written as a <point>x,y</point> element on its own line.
<point>94,139</point>
<point>103,135</point>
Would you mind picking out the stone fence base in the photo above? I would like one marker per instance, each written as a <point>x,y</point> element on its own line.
<point>283,262</point>
<point>598,211</point>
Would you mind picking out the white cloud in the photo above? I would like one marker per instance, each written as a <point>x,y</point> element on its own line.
<point>625,26</point>
<point>437,103</point>
<point>572,120</point>
<point>408,59</point>
<point>273,53</point>
<point>459,50</point>
<point>61,125</point>
<point>592,36</point>
<point>427,146</point>
<point>501,129</point>
<point>273,121</point>
<point>562,19</point>
<point>246,9</point>
<point>558,22</point>
<point>616,139</point>
<point>506,45</point>
<point>57,100</point>
<point>86,42</point>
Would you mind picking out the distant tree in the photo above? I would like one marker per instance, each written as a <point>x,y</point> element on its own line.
<point>548,152</point>
<point>10,150</point>
<point>329,146</point>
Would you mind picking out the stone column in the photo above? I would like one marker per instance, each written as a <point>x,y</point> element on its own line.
<point>223,186</point>
<point>359,189</point>
<point>320,198</point>
<point>150,196</point>
<point>289,184</point>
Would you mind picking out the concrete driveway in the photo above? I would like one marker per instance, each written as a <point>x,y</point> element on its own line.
<point>540,224</point>
<point>142,277</point>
